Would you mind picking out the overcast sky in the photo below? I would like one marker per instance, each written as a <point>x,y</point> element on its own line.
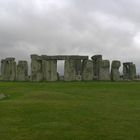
<point>78,27</point>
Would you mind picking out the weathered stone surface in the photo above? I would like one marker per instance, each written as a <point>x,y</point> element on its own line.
<point>76,68</point>
<point>96,57</point>
<point>96,60</point>
<point>64,57</point>
<point>45,67</point>
<point>8,69</point>
<point>73,70</point>
<point>36,57</point>
<point>129,71</point>
<point>69,71</point>
<point>133,72</point>
<point>3,96</point>
<point>104,70</point>
<point>50,70</point>
<point>22,71</point>
<point>115,74</point>
<point>36,68</point>
<point>87,73</point>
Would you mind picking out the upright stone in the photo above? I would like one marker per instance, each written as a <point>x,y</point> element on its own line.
<point>133,72</point>
<point>8,69</point>
<point>87,73</point>
<point>36,68</point>
<point>73,70</point>
<point>50,70</point>
<point>22,71</point>
<point>3,70</point>
<point>96,60</point>
<point>104,66</point>
<point>115,74</point>
<point>129,71</point>
<point>69,70</point>
<point>78,70</point>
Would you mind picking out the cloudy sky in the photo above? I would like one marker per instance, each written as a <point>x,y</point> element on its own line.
<point>78,27</point>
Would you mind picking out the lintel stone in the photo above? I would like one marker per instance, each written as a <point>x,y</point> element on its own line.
<point>64,57</point>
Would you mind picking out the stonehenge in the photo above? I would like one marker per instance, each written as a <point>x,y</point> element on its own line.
<point>129,71</point>
<point>115,74</point>
<point>96,59</point>
<point>87,73</point>
<point>104,71</point>
<point>73,70</point>
<point>22,71</point>
<point>8,69</point>
<point>36,68</point>
<point>76,68</point>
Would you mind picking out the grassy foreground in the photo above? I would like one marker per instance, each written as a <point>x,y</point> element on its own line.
<point>70,111</point>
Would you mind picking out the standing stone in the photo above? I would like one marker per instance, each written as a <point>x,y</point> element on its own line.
<point>8,69</point>
<point>36,68</point>
<point>133,72</point>
<point>69,70</point>
<point>87,73</point>
<point>22,71</point>
<point>78,70</point>
<point>3,70</point>
<point>73,70</point>
<point>96,60</point>
<point>104,73</point>
<point>115,74</point>
<point>129,71</point>
<point>50,70</point>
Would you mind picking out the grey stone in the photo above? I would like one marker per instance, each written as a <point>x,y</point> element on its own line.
<point>87,73</point>
<point>133,72</point>
<point>45,67</point>
<point>36,68</point>
<point>50,70</point>
<point>69,70</point>
<point>77,68</point>
<point>96,60</point>
<point>64,57</point>
<point>22,71</point>
<point>8,69</point>
<point>73,70</point>
<point>104,70</point>
<point>3,96</point>
<point>115,74</point>
<point>129,71</point>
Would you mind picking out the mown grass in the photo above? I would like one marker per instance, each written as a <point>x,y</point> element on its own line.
<point>70,111</point>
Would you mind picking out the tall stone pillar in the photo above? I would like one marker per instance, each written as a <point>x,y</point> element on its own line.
<point>3,70</point>
<point>69,70</point>
<point>129,71</point>
<point>96,60</point>
<point>78,70</point>
<point>36,68</point>
<point>87,73</point>
<point>72,70</point>
<point>8,69</point>
<point>50,70</point>
<point>133,72</point>
<point>115,74</point>
<point>22,71</point>
<point>104,70</point>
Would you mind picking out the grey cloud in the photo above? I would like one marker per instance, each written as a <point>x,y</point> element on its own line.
<point>111,28</point>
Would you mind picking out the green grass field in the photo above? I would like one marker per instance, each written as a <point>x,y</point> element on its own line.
<point>70,111</point>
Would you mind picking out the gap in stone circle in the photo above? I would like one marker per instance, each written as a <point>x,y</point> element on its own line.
<point>60,69</point>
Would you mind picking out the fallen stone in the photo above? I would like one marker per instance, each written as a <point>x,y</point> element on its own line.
<point>3,96</point>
